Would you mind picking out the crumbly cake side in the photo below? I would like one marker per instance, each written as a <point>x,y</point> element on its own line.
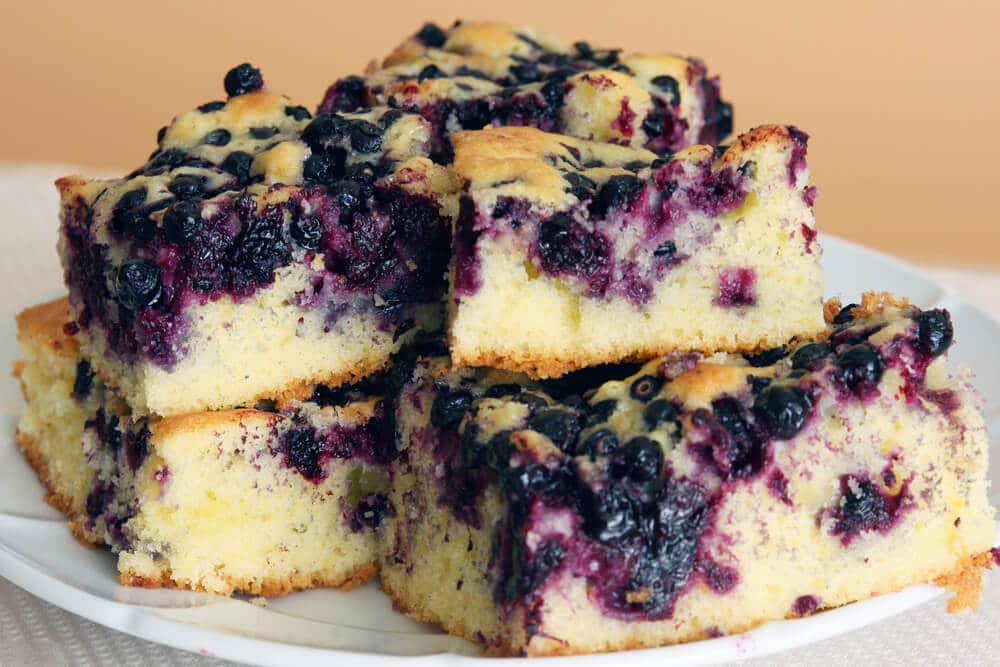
<point>177,498</point>
<point>696,497</point>
<point>478,74</point>
<point>570,253</point>
<point>259,251</point>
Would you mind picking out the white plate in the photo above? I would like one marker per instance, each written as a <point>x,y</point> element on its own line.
<point>360,627</point>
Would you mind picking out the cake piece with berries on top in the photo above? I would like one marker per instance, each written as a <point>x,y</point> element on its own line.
<point>696,497</point>
<point>259,251</point>
<point>569,253</point>
<point>480,73</point>
<point>177,498</point>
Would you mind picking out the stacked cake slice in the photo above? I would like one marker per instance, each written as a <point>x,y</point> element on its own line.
<point>505,322</point>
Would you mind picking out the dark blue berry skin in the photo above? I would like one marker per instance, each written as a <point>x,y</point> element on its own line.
<point>187,186</point>
<point>558,425</point>
<point>325,130</point>
<point>365,137</point>
<point>449,408</point>
<point>617,192</point>
<point>659,412</point>
<point>243,79</point>
<point>297,113</point>
<point>667,249</point>
<point>860,367</point>
<point>389,118</point>
<point>581,187</point>
<point>209,107</point>
<point>138,284</point>
<point>307,232</point>
<point>430,72</point>
<point>602,442</point>
<point>323,167</point>
<point>533,401</point>
<point>84,381</point>
<point>668,86</point>
<point>238,163</point>
<point>785,410</point>
<point>601,411</point>
<point>934,332</point>
<point>845,315</point>
<point>303,452</point>
<point>263,132</point>
<point>610,515</point>
<point>181,221</point>
<point>766,358</point>
<point>645,387</point>
<point>131,199</point>
<point>142,229</point>
<point>502,390</point>
<point>811,355</point>
<point>432,36</point>
<point>218,137</point>
<point>641,460</point>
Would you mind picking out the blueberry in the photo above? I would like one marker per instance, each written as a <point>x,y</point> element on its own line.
<point>432,36</point>
<point>365,137</point>
<point>668,86</point>
<point>617,192</point>
<point>219,137</point>
<point>208,107</point>
<point>172,157</point>
<point>860,365</point>
<point>934,332</point>
<point>645,387</point>
<point>581,187</point>
<point>653,125</point>
<point>142,228</point>
<point>845,315</point>
<point>325,130</point>
<point>784,410</point>
<point>583,49</point>
<point>138,284</point>
<point>635,165</point>
<point>238,163</point>
<point>659,412</point>
<point>297,113</point>
<point>602,442</point>
<point>187,186</point>
<point>303,452</point>
<point>181,221</point>
<point>449,408</point>
<point>264,132</point>
<point>84,380</point>
<point>533,401</point>
<point>347,194</point>
<point>323,167</point>
<point>526,72</point>
<point>131,199</point>
<point>161,134</point>
<point>766,358</point>
<point>601,411</point>
<point>611,515</point>
<point>666,249</point>
<point>642,459</point>
<point>809,356</point>
<point>502,390</point>
<point>430,72</point>
<point>559,426</point>
<point>389,118</point>
<point>502,208</point>
<point>307,232</point>
<point>243,79</point>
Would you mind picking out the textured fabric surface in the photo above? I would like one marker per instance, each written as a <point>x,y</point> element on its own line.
<point>34,632</point>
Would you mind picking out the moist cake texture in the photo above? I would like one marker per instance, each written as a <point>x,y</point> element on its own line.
<point>696,497</point>
<point>569,253</point>
<point>252,500</point>
<point>480,73</point>
<point>258,252</point>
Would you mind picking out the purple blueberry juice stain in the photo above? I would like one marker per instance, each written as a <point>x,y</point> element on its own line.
<point>737,287</point>
<point>307,449</point>
<point>864,507</point>
<point>797,162</point>
<point>805,605</point>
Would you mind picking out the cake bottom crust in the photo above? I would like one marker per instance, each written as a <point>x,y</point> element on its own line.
<point>964,580</point>
<point>53,497</point>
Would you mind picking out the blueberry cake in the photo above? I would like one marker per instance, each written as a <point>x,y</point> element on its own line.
<point>698,496</point>
<point>479,74</point>
<point>569,253</point>
<point>258,252</point>
<point>260,501</point>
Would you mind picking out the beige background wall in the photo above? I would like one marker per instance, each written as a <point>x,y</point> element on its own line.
<point>901,99</point>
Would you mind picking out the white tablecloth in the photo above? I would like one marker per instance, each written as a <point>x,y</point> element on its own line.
<point>33,632</point>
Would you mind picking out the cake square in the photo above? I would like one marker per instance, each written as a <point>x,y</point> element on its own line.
<point>697,497</point>
<point>257,253</point>
<point>257,501</point>
<point>569,253</point>
<point>476,74</point>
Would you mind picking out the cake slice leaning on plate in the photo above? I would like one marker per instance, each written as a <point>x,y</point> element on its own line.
<point>695,498</point>
<point>569,253</point>
<point>258,252</point>
<point>250,500</point>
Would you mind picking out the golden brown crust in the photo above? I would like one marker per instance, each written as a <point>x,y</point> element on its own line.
<point>46,322</point>
<point>966,582</point>
<point>872,303</point>
<point>37,462</point>
<point>268,587</point>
